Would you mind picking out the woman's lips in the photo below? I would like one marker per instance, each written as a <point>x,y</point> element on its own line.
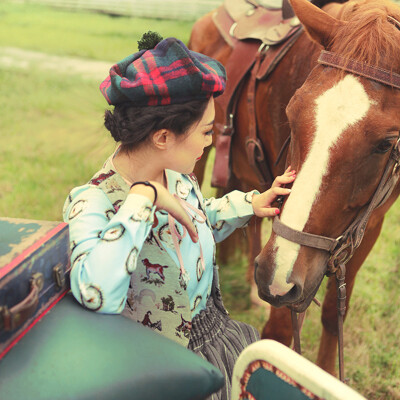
<point>198,158</point>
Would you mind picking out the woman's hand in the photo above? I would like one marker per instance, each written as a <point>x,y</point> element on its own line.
<point>262,202</point>
<point>165,201</point>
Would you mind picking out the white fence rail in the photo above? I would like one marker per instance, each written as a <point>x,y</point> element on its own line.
<point>163,9</point>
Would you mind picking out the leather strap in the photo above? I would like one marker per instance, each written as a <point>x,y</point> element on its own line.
<point>254,147</point>
<point>282,150</point>
<point>342,248</point>
<point>356,67</point>
<point>303,238</point>
<point>341,309</point>
<point>222,169</point>
<point>296,332</point>
<point>223,21</point>
<point>275,53</point>
<point>239,64</point>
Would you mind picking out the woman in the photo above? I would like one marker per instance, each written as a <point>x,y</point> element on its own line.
<point>130,251</point>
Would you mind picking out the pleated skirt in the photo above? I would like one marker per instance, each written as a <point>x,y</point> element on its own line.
<point>219,339</point>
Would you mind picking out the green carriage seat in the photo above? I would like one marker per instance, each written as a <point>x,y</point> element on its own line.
<point>76,354</point>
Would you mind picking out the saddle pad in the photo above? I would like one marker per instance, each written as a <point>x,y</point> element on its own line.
<point>34,266</point>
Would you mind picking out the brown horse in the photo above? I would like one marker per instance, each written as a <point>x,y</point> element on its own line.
<point>343,128</point>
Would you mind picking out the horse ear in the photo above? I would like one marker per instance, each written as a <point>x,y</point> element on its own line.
<point>320,26</point>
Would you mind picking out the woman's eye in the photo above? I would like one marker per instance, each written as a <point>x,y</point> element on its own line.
<point>384,146</point>
<point>209,133</point>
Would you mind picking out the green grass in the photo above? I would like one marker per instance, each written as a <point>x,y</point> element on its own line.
<point>52,139</point>
<point>80,34</point>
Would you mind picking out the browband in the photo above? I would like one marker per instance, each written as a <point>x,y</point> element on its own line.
<point>359,68</point>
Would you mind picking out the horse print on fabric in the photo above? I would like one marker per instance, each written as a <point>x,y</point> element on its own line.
<point>146,322</point>
<point>168,304</point>
<point>184,328</point>
<point>154,269</point>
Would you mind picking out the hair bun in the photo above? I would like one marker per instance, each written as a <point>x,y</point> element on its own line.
<point>149,40</point>
<point>111,124</point>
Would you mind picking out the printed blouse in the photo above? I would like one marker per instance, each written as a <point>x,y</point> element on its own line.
<point>106,239</point>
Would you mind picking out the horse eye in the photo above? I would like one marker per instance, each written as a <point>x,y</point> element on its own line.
<point>384,146</point>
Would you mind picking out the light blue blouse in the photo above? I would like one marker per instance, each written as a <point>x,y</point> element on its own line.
<point>102,238</point>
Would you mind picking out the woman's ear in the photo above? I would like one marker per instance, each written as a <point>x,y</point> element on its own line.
<point>163,138</point>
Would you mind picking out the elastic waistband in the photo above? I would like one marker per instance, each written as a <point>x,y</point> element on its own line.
<point>206,325</point>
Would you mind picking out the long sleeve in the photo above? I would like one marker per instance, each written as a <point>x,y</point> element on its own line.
<point>105,245</point>
<point>229,212</point>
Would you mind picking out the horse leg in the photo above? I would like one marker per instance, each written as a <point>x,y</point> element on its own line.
<point>279,326</point>
<point>253,232</point>
<point>328,345</point>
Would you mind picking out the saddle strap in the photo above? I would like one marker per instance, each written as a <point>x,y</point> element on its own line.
<point>239,64</point>
<point>245,57</point>
<point>275,53</point>
<point>254,147</point>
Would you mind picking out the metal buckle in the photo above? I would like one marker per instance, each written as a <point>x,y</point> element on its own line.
<point>263,47</point>
<point>341,256</point>
<point>232,29</point>
<point>58,275</point>
<point>230,126</point>
<point>395,169</point>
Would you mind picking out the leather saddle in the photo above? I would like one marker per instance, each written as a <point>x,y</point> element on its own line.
<point>270,21</point>
<point>260,34</point>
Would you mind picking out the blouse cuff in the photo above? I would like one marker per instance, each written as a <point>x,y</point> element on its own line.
<point>139,207</point>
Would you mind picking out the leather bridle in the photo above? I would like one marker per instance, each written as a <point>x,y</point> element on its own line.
<point>341,249</point>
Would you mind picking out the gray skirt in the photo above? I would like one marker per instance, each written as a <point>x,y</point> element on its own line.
<point>219,340</point>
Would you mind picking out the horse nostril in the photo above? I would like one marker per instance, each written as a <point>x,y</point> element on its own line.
<point>255,270</point>
<point>295,292</point>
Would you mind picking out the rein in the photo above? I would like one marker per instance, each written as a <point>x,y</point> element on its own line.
<point>342,248</point>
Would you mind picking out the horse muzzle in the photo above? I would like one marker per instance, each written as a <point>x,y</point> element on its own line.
<point>297,294</point>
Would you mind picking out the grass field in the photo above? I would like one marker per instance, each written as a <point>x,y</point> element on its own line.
<point>52,139</point>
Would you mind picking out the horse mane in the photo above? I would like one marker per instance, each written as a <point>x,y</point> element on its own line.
<point>368,35</point>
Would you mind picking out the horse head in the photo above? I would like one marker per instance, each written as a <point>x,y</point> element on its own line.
<point>344,128</point>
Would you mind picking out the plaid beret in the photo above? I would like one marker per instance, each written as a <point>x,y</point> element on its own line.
<point>168,74</point>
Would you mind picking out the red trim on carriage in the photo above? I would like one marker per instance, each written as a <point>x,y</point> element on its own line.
<point>31,249</point>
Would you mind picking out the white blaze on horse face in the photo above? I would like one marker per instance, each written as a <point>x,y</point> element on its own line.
<point>337,109</point>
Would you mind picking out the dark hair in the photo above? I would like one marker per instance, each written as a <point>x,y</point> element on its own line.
<point>132,125</point>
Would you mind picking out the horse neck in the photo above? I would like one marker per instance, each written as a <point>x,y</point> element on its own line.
<point>277,91</point>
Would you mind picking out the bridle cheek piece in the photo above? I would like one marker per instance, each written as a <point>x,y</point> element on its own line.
<point>341,249</point>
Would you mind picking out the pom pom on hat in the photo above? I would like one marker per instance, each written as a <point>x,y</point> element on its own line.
<point>169,73</point>
<point>149,40</point>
